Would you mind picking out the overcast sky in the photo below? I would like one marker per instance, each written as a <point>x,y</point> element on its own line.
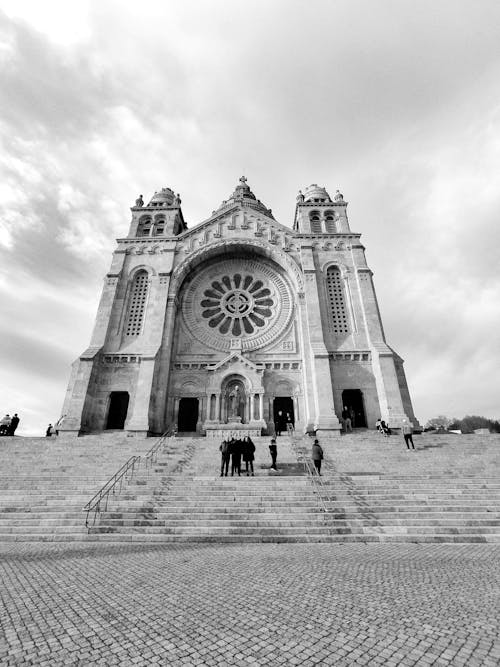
<point>395,103</point>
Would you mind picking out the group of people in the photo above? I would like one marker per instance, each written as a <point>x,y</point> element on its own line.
<point>382,427</point>
<point>283,422</point>
<point>8,424</point>
<point>348,419</point>
<point>233,450</point>
<point>406,430</point>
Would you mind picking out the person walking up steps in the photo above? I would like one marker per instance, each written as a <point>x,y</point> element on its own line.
<point>407,430</point>
<point>317,456</point>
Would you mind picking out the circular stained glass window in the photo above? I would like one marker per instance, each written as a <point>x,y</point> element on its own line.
<point>237,304</point>
<point>237,299</point>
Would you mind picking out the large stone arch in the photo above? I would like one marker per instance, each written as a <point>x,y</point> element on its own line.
<point>267,280</point>
<point>219,248</point>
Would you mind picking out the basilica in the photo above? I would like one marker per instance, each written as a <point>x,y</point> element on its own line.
<point>238,323</point>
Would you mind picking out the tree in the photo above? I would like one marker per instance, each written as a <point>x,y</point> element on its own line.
<point>438,422</point>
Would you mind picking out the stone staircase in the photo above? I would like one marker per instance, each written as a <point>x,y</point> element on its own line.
<point>447,490</point>
<point>190,501</point>
<point>373,488</point>
<point>45,482</point>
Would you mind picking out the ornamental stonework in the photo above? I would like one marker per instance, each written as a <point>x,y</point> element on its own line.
<point>237,300</point>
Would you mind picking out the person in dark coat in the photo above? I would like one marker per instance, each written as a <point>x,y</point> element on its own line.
<point>317,456</point>
<point>13,425</point>
<point>385,429</point>
<point>248,453</point>
<point>235,456</point>
<point>278,424</point>
<point>225,456</point>
<point>273,450</point>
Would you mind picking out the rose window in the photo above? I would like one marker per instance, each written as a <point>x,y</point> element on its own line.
<point>237,304</point>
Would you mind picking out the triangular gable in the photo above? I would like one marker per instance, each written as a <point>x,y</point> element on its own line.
<point>234,357</point>
<point>227,215</point>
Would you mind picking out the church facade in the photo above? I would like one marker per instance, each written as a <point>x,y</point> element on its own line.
<point>238,323</point>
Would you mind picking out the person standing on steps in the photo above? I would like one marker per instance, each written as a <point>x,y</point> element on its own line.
<point>273,450</point>
<point>248,453</point>
<point>235,456</point>
<point>225,456</point>
<point>407,431</point>
<point>13,425</point>
<point>346,420</point>
<point>289,424</point>
<point>317,456</point>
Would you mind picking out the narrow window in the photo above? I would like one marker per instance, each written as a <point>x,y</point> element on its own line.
<point>144,227</point>
<point>159,226</point>
<point>315,223</point>
<point>336,301</point>
<point>330,223</point>
<point>137,304</point>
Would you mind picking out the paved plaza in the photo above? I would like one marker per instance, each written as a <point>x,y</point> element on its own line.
<point>257,604</point>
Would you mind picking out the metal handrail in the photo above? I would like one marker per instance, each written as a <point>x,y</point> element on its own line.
<point>95,502</point>
<point>133,462</point>
<point>316,479</point>
<point>151,456</point>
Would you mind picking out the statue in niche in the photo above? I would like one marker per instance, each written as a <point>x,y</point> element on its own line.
<point>234,401</point>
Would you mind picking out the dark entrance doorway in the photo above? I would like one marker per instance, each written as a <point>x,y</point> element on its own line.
<point>352,399</point>
<point>188,414</point>
<point>118,407</point>
<point>283,405</point>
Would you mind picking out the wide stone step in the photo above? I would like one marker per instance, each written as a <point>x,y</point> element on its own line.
<point>425,516</point>
<point>232,520</point>
<point>228,530</point>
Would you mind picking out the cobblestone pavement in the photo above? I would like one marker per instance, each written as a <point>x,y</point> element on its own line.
<point>270,604</point>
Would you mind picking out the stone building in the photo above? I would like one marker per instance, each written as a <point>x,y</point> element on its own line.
<point>237,323</point>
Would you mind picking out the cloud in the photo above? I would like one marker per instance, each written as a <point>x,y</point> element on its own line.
<point>396,104</point>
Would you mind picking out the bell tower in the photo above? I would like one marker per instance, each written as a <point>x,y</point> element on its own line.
<point>161,217</point>
<point>317,213</point>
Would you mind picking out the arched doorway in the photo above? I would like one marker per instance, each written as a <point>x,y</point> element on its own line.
<point>188,415</point>
<point>117,411</point>
<point>352,399</point>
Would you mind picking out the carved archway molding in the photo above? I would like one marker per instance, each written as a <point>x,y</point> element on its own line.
<point>197,257</point>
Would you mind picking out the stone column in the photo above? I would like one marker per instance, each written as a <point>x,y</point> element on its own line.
<point>252,407</point>
<point>217,407</point>
<point>261,406</point>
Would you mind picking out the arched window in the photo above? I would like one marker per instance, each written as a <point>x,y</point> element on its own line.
<point>336,301</point>
<point>315,222</point>
<point>159,227</point>
<point>137,304</point>
<point>144,227</point>
<point>330,223</point>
